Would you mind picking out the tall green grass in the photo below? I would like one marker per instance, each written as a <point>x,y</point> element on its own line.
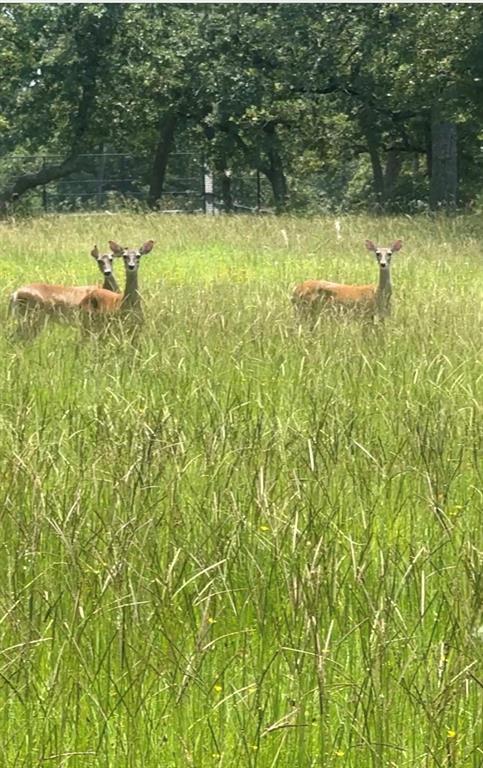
<point>235,541</point>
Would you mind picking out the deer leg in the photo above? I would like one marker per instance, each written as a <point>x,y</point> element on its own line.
<point>30,321</point>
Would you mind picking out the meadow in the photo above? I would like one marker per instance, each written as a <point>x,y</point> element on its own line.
<point>237,541</point>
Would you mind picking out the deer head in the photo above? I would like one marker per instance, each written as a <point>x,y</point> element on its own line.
<point>103,260</point>
<point>383,255</point>
<point>131,256</point>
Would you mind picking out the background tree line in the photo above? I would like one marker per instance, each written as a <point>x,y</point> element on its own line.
<point>335,105</point>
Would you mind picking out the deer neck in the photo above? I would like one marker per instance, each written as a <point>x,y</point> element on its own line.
<point>384,290</point>
<point>131,298</point>
<point>110,283</point>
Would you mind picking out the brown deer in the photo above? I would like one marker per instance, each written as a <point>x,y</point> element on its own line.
<point>102,303</point>
<point>367,300</point>
<point>32,304</point>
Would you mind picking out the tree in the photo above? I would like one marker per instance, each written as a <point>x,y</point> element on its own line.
<point>160,85</point>
<point>52,96</point>
<point>353,95</point>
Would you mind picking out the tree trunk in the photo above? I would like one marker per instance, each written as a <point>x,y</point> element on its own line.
<point>277,180</point>
<point>223,176</point>
<point>267,160</point>
<point>377,172</point>
<point>392,171</point>
<point>429,150</point>
<point>273,169</point>
<point>371,136</point>
<point>444,176</point>
<point>219,139</point>
<point>161,157</point>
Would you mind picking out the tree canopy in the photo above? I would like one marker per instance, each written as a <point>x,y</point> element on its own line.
<point>337,106</point>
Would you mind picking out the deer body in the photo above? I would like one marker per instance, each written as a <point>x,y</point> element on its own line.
<point>35,302</point>
<point>49,297</point>
<point>366,300</point>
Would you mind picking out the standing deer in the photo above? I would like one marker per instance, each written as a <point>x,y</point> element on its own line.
<point>99,302</point>
<point>367,300</point>
<point>36,302</point>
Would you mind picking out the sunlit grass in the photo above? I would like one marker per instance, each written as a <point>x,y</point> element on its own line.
<point>237,541</point>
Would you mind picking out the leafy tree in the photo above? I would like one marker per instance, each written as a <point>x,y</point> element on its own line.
<point>349,94</point>
<point>53,97</point>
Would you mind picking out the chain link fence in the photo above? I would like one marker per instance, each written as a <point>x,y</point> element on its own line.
<point>110,181</point>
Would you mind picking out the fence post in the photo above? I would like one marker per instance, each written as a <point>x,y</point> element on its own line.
<point>208,192</point>
<point>259,192</point>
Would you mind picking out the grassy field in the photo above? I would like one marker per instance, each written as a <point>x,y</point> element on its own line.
<point>239,542</point>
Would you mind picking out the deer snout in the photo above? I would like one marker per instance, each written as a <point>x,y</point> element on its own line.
<point>105,266</point>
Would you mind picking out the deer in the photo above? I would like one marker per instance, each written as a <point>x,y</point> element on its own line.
<point>35,302</point>
<point>367,300</point>
<point>102,303</point>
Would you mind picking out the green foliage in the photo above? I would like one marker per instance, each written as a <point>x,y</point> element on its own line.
<point>252,87</point>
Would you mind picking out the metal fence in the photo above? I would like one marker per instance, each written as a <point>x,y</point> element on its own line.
<point>111,181</point>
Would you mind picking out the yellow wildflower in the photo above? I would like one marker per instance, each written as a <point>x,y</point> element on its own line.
<point>451,734</point>
<point>218,688</point>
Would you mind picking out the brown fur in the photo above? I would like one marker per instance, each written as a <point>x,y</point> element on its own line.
<point>51,297</point>
<point>314,295</point>
<point>102,302</point>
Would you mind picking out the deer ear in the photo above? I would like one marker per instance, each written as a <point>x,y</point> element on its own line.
<point>396,246</point>
<point>95,252</point>
<point>370,245</point>
<point>147,246</point>
<point>115,248</point>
